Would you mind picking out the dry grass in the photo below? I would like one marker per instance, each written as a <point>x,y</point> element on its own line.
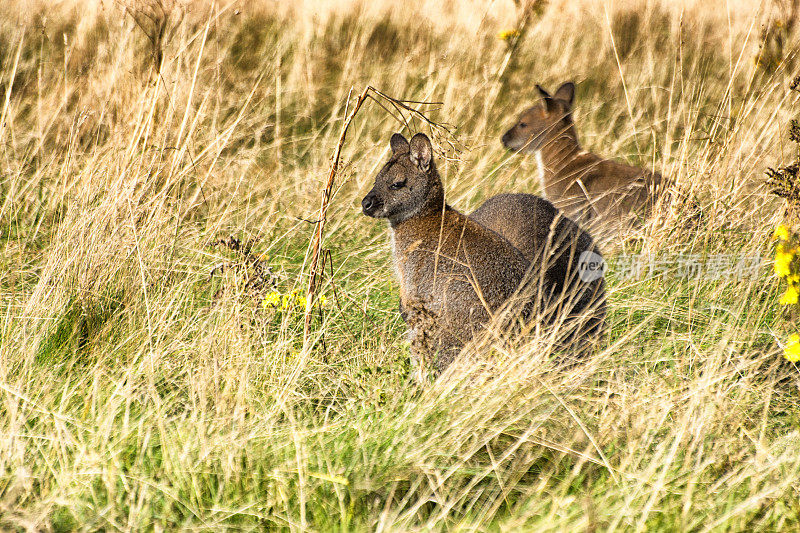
<point>137,392</point>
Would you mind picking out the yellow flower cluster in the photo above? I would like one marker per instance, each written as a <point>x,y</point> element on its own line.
<point>785,267</point>
<point>790,297</point>
<point>781,232</point>
<point>785,255</point>
<point>294,299</point>
<point>507,35</point>
<point>792,349</point>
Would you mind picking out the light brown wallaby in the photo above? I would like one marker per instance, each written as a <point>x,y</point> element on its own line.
<point>598,193</point>
<point>455,274</point>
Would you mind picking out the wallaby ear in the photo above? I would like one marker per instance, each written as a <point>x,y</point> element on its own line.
<point>548,100</point>
<point>398,143</point>
<point>421,152</point>
<point>566,92</point>
<point>542,92</point>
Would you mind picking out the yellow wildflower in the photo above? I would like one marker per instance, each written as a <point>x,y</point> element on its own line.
<point>790,297</point>
<point>507,35</point>
<point>792,349</point>
<point>781,232</point>
<point>322,300</point>
<point>272,299</point>
<point>783,261</point>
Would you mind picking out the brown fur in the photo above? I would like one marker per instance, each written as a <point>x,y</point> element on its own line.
<point>454,274</point>
<point>602,194</point>
<point>555,247</point>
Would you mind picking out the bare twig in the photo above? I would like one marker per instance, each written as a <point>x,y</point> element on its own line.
<point>154,18</point>
<point>316,240</point>
<point>314,246</point>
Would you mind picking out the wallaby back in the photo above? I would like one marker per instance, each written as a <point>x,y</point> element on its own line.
<point>563,255</point>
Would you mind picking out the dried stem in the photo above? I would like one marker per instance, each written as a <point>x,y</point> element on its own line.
<point>315,245</point>
<point>316,240</point>
<point>153,18</point>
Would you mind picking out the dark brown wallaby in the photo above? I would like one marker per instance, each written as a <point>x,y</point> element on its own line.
<point>560,252</point>
<point>455,274</point>
<point>598,193</point>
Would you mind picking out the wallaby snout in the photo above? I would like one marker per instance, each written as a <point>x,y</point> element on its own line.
<point>514,140</point>
<point>370,204</point>
<point>507,139</point>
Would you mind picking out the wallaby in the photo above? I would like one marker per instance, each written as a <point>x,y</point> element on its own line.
<point>455,274</point>
<point>566,256</point>
<point>600,194</point>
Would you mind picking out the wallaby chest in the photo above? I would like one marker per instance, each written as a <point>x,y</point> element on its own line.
<point>430,266</point>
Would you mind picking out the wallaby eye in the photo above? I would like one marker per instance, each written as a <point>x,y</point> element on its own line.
<point>523,124</point>
<point>397,185</point>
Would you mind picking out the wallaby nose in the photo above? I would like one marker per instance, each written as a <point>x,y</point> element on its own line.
<point>368,204</point>
<point>506,138</point>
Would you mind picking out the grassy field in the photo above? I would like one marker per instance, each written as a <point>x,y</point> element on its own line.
<point>147,221</point>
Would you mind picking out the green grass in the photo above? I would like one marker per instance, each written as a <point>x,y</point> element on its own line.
<point>139,392</point>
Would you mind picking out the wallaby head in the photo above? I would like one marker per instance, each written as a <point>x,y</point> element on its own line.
<point>550,118</point>
<point>408,185</point>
